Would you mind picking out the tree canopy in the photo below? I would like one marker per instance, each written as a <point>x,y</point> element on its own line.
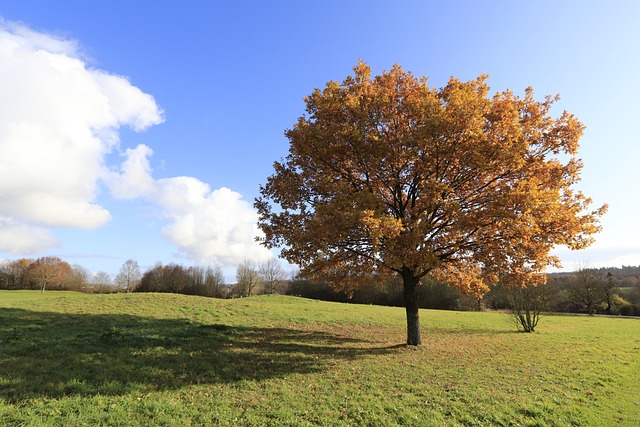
<point>48,271</point>
<point>387,174</point>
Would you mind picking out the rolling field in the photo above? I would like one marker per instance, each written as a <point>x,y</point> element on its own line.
<point>70,359</point>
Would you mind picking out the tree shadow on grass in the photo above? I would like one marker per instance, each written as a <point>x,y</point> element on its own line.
<point>54,354</point>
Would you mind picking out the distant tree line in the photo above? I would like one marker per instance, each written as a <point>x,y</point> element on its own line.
<point>614,291</point>
<point>45,273</point>
<point>52,273</point>
<point>174,278</point>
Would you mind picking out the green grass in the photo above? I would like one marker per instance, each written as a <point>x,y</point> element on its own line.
<point>69,359</point>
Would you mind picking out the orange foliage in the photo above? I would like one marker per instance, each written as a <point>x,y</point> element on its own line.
<point>48,272</point>
<point>387,173</point>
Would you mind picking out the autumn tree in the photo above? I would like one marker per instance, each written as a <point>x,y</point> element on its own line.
<point>48,272</point>
<point>129,275</point>
<point>388,175</point>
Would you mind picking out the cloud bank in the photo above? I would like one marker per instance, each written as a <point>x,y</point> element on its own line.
<point>207,226</point>
<point>59,119</point>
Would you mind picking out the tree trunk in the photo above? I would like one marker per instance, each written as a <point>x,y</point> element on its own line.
<point>410,284</point>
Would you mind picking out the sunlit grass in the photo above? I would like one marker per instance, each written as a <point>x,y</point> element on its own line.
<point>159,359</point>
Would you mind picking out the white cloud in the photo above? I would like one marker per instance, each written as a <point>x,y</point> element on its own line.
<point>212,225</point>
<point>134,179</point>
<point>207,226</point>
<point>20,238</point>
<point>58,120</point>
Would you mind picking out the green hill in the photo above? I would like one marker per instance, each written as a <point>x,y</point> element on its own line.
<point>161,359</point>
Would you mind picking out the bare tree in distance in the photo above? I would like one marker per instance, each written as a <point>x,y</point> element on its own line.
<point>129,275</point>
<point>247,278</point>
<point>79,277</point>
<point>206,281</point>
<point>271,273</point>
<point>214,280</point>
<point>102,278</point>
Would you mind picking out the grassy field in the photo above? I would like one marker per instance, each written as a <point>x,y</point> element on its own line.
<point>69,359</point>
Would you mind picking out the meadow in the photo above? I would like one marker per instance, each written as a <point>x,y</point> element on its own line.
<point>71,359</point>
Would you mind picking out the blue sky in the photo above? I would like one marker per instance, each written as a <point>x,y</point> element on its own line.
<point>199,95</point>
